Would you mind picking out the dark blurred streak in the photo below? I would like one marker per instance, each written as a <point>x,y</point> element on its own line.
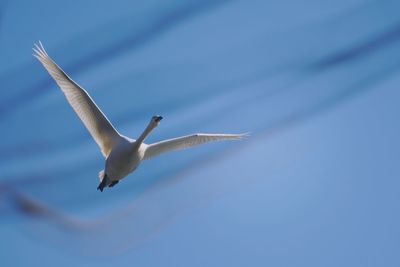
<point>360,51</point>
<point>141,219</point>
<point>31,207</point>
<point>118,48</point>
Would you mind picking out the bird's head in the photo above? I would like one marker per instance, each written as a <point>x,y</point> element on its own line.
<point>156,119</point>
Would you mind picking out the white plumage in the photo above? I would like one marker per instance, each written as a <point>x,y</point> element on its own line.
<point>123,155</point>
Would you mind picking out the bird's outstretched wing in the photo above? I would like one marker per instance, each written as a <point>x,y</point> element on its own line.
<point>186,142</point>
<point>95,121</point>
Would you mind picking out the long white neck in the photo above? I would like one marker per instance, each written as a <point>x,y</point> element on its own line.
<point>146,132</point>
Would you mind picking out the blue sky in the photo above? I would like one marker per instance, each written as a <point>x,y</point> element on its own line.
<point>315,82</point>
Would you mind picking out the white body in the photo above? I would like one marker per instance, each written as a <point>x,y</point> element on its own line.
<point>124,158</point>
<point>123,155</point>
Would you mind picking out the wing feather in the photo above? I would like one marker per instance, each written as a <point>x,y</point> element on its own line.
<point>184,142</point>
<point>92,117</point>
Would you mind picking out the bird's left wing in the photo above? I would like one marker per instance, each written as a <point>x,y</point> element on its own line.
<point>186,142</point>
<point>95,121</point>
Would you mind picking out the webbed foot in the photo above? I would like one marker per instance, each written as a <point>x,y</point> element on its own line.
<point>102,184</point>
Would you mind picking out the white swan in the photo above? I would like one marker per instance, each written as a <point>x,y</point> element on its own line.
<point>123,155</point>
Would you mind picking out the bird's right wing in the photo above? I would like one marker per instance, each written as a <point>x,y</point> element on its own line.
<point>183,142</point>
<point>95,121</point>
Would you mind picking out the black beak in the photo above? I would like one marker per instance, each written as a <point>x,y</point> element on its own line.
<point>158,118</point>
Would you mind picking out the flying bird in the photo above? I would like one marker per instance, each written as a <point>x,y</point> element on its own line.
<point>123,154</point>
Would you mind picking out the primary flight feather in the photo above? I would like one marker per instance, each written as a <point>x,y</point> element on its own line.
<point>123,155</point>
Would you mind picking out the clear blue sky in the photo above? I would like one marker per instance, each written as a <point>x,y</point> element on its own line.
<point>315,82</point>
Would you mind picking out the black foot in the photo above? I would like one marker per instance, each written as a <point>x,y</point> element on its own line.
<point>113,183</point>
<point>100,187</point>
<point>102,184</point>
